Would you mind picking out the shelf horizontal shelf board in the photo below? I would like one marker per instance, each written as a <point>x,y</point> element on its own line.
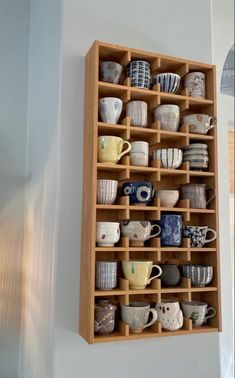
<point>171,290</point>
<point>110,249</point>
<point>117,336</point>
<point>203,289</point>
<point>203,249</point>
<point>153,249</point>
<point>154,208</point>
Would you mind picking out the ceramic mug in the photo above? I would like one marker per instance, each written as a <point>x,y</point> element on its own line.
<point>139,72</point>
<point>138,112</point>
<point>197,235</point>
<point>199,123</point>
<point>195,83</point>
<point>110,72</point>
<point>168,198</point>
<point>107,233</point>
<point>106,191</point>
<point>170,158</point>
<point>170,314</point>
<point>198,194</point>
<point>169,117</point>
<point>104,322</point>
<point>139,154</point>
<point>136,315</point>
<point>105,275</point>
<point>139,192</point>
<point>200,275</point>
<point>110,109</point>
<point>138,273</point>
<point>171,226</point>
<point>198,312</point>
<point>139,231</point>
<point>110,149</point>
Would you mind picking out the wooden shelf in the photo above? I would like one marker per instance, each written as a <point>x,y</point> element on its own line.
<point>161,178</point>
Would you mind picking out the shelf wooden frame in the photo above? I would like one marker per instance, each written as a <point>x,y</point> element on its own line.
<point>162,178</point>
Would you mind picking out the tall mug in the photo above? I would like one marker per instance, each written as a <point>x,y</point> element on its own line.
<point>110,149</point>
<point>139,154</point>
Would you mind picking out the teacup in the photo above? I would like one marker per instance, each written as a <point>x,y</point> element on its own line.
<point>110,72</point>
<point>138,112</point>
<point>169,117</point>
<point>110,109</point>
<point>171,226</point>
<point>195,83</point>
<point>139,154</point>
<point>106,191</point>
<point>170,314</point>
<point>140,192</point>
<point>200,275</point>
<point>197,312</point>
<point>138,273</point>
<point>106,275</point>
<point>107,233</point>
<point>110,149</point>
<point>168,198</point>
<point>139,231</point>
<point>197,235</point>
<point>199,123</point>
<point>136,314</point>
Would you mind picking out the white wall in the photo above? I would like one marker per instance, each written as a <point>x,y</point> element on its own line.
<point>14,34</point>
<point>181,28</point>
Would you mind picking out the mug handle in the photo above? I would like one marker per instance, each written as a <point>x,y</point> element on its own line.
<point>154,313</point>
<point>213,194</point>
<point>125,151</point>
<point>158,232</point>
<point>212,315</point>
<point>160,272</point>
<point>213,123</point>
<point>213,237</point>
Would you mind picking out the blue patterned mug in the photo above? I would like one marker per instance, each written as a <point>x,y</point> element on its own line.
<point>171,226</point>
<point>198,235</point>
<point>139,192</point>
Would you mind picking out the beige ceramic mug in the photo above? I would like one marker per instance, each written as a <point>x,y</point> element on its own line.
<point>110,149</point>
<point>138,273</point>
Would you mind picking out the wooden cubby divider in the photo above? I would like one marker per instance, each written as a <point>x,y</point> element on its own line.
<point>161,178</point>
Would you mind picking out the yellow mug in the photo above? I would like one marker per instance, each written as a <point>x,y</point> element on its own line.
<point>138,273</point>
<point>110,149</point>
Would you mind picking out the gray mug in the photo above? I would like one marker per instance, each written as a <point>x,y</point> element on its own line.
<point>197,312</point>
<point>136,314</point>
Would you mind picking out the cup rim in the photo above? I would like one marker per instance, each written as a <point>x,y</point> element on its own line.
<point>194,72</point>
<point>137,261</point>
<point>167,191</point>
<point>106,262</point>
<point>135,222</point>
<point>141,304</point>
<point>167,73</point>
<point>105,180</point>
<point>194,303</point>
<point>167,149</point>
<point>195,114</point>
<point>138,183</point>
<point>140,141</point>
<point>168,300</point>
<point>111,98</point>
<point>111,61</point>
<point>110,136</point>
<point>167,106</point>
<point>108,223</point>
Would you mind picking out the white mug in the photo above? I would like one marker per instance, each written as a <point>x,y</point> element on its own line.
<point>110,109</point>
<point>139,154</point>
<point>138,111</point>
<point>199,123</point>
<point>170,314</point>
<point>107,233</point>
<point>106,191</point>
<point>195,83</point>
<point>136,314</point>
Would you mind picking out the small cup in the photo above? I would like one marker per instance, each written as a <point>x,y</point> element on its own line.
<point>195,83</point>
<point>139,154</point>
<point>110,149</point>
<point>105,275</point>
<point>168,198</point>
<point>197,235</point>
<point>139,231</point>
<point>136,315</point>
<point>107,233</point>
<point>138,111</point>
<point>169,117</point>
<point>200,275</point>
<point>170,158</point>
<point>140,192</point>
<point>170,314</point>
<point>138,273</point>
<point>106,191</point>
<point>104,322</point>
<point>110,72</point>
<point>171,226</point>
<point>110,109</point>
<point>198,312</point>
<point>199,123</point>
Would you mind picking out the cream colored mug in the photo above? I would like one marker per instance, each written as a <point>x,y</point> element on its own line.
<point>138,273</point>
<point>110,149</point>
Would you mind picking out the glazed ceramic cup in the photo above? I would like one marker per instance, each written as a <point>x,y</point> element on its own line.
<point>139,154</point>
<point>171,226</point>
<point>168,198</point>
<point>169,82</point>
<point>170,275</point>
<point>195,83</point>
<point>198,194</point>
<point>199,123</point>
<point>110,149</point>
<point>107,233</point>
<point>139,73</point>
<point>200,275</point>
<point>136,315</point>
<point>140,192</point>
<point>138,112</point>
<point>110,109</point>
<point>105,275</point>
<point>106,191</point>
<point>170,314</point>
<point>197,235</point>
<point>138,273</point>
<point>110,72</point>
<point>168,116</point>
<point>170,158</point>
<point>104,322</point>
<point>139,231</point>
<point>198,312</point>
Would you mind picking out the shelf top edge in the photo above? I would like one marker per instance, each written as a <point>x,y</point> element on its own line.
<point>152,54</point>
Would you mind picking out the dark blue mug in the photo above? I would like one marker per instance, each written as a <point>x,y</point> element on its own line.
<point>139,192</point>
<point>171,225</point>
